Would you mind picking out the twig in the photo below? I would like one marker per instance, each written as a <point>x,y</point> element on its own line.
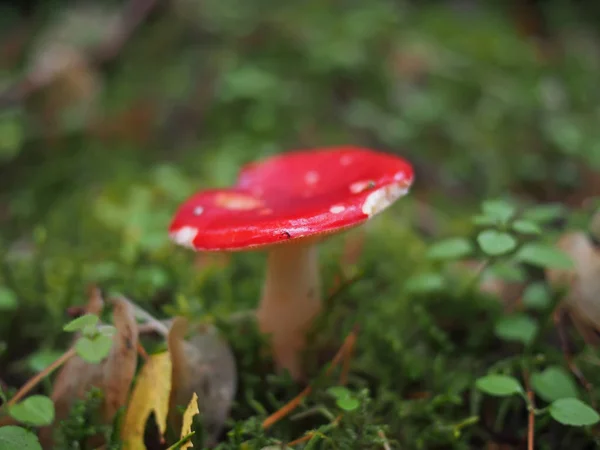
<point>142,352</point>
<point>293,403</point>
<point>308,436</point>
<point>531,422</point>
<point>131,17</point>
<point>531,408</point>
<point>152,323</point>
<point>386,444</point>
<point>32,382</point>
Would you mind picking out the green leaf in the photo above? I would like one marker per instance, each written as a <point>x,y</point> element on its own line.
<point>425,283</point>
<point>508,271</point>
<point>499,385</point>
<point>526,227</point>
<point>553,384</point>
<point>501,210</point>
<point>519,327</point>
<point>451,248</point>
<point>347,403</point>
<point>8,299</point>
<point>537,296</point>
<point>544,255</point>
<point>544,213</point>
<point>571,411</point>
<point>94,350</point>
<point>18,438</point>
<point>496,243</point>
<point>81,322</point>
<point>37,410</point>
<point>41,359</point>
<point>339,392</point>
<point>484,221</point>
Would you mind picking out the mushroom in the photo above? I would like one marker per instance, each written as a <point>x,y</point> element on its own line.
<point>286,205</point>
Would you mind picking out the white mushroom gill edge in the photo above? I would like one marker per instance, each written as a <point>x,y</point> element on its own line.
<point>184,236</point>
<point>380,199</point>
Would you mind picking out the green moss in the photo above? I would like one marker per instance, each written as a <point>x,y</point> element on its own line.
<point>460,95</point>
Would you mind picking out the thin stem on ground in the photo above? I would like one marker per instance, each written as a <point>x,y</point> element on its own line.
<point>343,352</point>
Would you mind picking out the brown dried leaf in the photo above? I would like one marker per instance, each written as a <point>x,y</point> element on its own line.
<point>582,300</point>
<point>150,395</point>
<point>113,375</point>
<point>205,365</point>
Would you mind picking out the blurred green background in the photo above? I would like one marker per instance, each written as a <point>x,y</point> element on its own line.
<point>105,127</point>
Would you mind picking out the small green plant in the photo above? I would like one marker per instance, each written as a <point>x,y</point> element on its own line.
<point>34,411</point>
<point>95,341</point>
<point>566,410</point>
<point>93,346</point>
<point>344,399</point>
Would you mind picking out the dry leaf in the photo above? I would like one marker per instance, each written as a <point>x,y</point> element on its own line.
<point>582,300</point>
<point>113,375</point>
<point>188,415</point>
<point>204,365</point>
<point>150,394</point>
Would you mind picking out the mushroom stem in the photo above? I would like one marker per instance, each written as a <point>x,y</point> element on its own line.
<point>290,301</point>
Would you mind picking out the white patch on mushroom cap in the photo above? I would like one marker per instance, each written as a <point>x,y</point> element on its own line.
<point>237,202</point>
<point>184,236</point>
<point>345,160</point>
<point>336,209</point>
<point>359,186</point>
<point>400,176</point>
<point>380,199</point>
<point>311,177</point>
<point>198,210</point>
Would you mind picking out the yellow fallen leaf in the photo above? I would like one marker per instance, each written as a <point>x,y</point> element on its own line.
<point>188,415</point>
<point>150,394</point>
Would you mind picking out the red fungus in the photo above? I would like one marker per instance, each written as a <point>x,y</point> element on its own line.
<point>285,205</point>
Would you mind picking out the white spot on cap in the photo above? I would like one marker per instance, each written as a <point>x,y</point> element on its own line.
<point>346,160</point>
<point>360,186</point>
<point>311,177</point>
<point>400,176</point>
<point>185,236</point>
<point>236,201</point>
<point>380,199</point>
<point>198,210</point>
<point>336,209</point>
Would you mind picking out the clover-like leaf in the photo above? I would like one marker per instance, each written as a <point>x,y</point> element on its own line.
<point>553,384</point>
<point>18,438</point>
<point>573,412</point>
<point>499,385</point>
<point>37,410</point>
<point>449,249</point>
<point>544,255</point>
<point>518,327</point>
<point>94,350</point>
<point>495,243</point>
<point>80,323</point>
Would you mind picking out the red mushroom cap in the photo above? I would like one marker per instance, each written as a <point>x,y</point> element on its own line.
<point>293,195</point>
